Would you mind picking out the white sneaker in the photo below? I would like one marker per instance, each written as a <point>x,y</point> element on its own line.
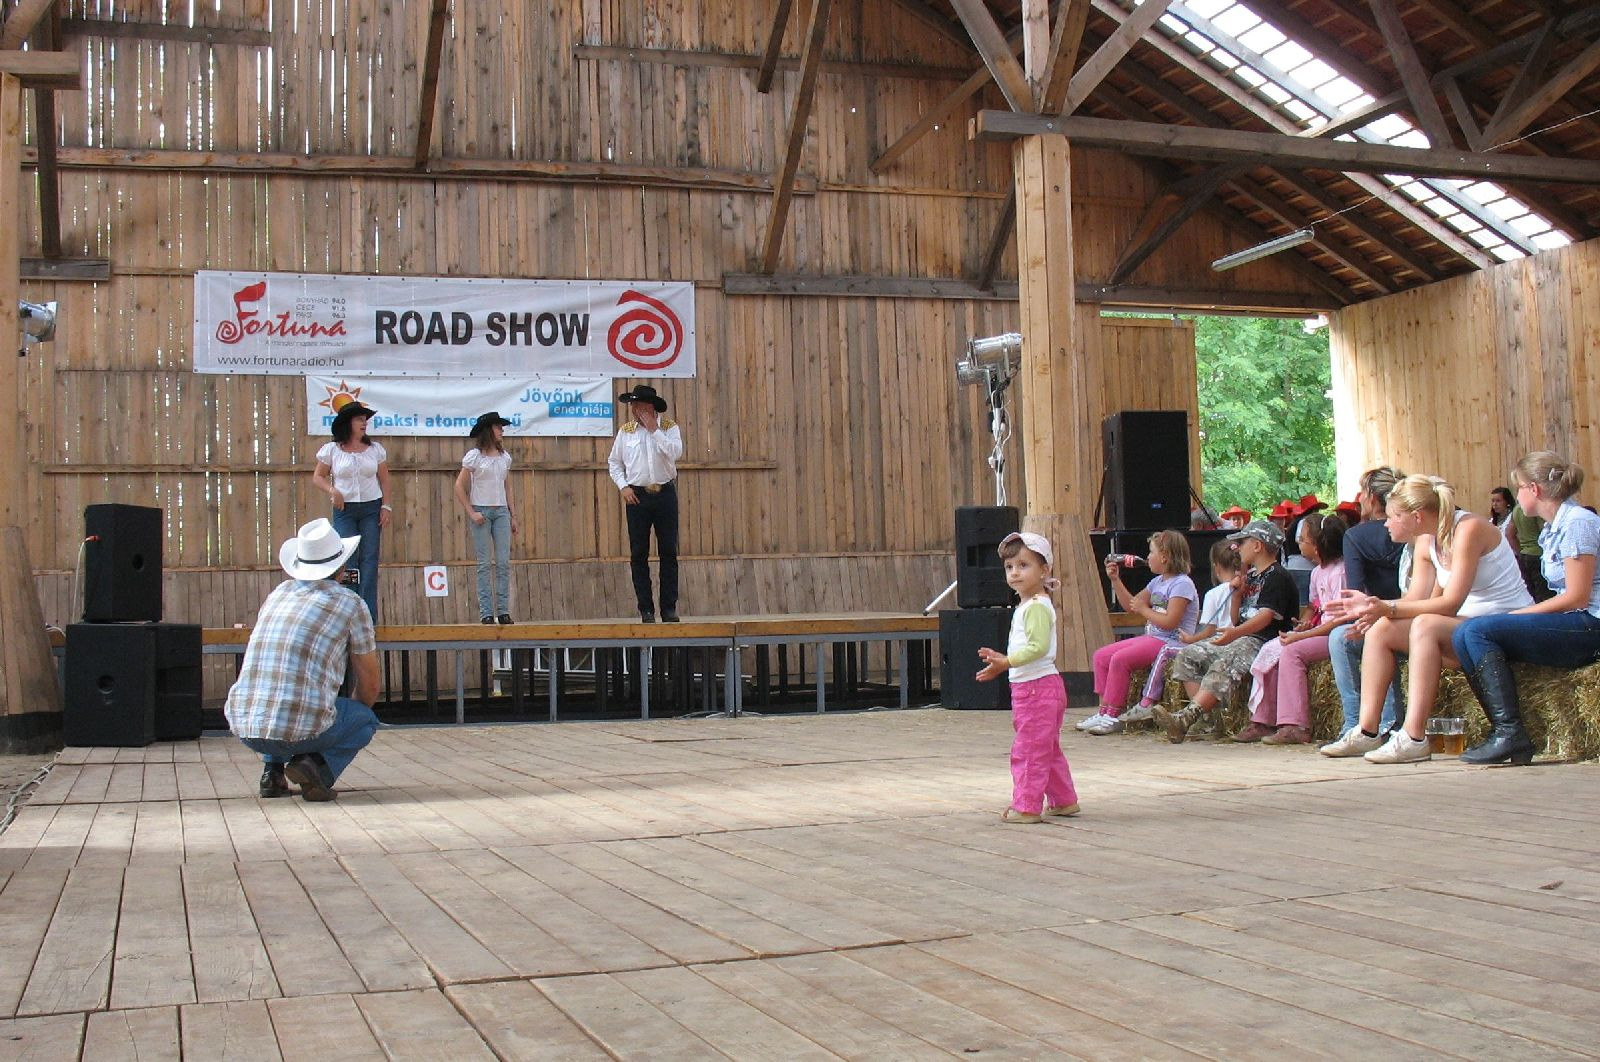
<point>1401,748</point>
<point>1094,720</point>
<point>1110,726</point>
<point>1354,743</point>
<point>1137,714</point>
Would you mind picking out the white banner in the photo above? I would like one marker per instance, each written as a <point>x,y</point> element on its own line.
<point>292,324</point>
<point>547,405</point>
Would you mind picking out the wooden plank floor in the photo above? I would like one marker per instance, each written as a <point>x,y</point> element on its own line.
<point>794,888</point>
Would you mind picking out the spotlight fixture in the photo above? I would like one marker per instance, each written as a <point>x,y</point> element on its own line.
<point>38,321</point>
<point>1263,250</point>
<point>993,360</point>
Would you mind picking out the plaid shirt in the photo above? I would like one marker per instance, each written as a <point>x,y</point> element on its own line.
<point>296,660</point>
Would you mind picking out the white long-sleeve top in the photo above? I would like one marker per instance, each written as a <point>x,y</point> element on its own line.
<point>642,458</point>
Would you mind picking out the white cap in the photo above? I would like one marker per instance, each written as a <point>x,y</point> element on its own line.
<point>1036,542</point>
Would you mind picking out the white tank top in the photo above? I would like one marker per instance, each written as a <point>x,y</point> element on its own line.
<point>1497,586</point>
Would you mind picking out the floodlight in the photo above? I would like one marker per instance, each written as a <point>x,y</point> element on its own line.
<point>38,321</point>
<point>1263,250</point>
<point>992,360</point>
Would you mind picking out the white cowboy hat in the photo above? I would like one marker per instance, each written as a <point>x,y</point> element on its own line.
<point>317,552</point>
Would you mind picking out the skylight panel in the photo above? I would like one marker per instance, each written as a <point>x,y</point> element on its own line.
<point>1314,74</point>
<point>1549,241</point>
<point>1412,138</point>
<point>1506,253</point>
<point>1307,115</point>
<point>1262,38</point>
<point>1530,225</point>
<point>1484,191</point>
<point>1288,55</point>
<point>1346,94</point>
<point>1485,239</point>
<point>1237,20</point>
<point>1250,75</point>
<point>1389,126</point>
<point>1274,91</point>
<point>1505,208</point>
<point>1210,8</point>
<point>1175,25</point>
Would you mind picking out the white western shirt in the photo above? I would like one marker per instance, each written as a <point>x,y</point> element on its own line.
<point>641,458</point>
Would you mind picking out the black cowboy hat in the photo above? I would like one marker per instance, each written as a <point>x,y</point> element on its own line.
<point>487,421</point>
<point>644,393</point>
<point>351,410</point>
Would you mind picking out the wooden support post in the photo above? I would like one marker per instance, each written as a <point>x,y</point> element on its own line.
<point>30,699</point>
<point>1060,388</point>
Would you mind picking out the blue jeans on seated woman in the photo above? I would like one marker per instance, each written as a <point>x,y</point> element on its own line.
<point>491,540</point>
<point>1555,639</point>
<point>361,518</point>
<point>1344,653</point>
<point>353,727</point>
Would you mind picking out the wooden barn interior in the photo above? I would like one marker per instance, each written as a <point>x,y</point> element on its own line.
<point>855,188</point>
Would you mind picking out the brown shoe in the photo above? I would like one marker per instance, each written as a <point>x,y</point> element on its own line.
<point>1015,817</point>
<point>1288,734</point>
<point>1254,732</point>
<point>1177,724</point>
<point>1061,811</point>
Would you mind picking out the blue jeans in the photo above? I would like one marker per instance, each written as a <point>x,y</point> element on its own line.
<point>361,518</point>
<point>1555,639</point>
<point>353,727</point>
<point>495,531</point>
<point>1344,653</point>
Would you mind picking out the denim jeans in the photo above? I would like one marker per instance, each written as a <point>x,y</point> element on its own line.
<point>353,727</point>
<point>1555,639</point>
<point>1344,653</point>
<point>494,533</point>
<point>361,518</point>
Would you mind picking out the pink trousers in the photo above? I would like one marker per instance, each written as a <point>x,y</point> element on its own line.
<point>1281,694</point>
<point>1039,772</point>
<point>1115,664</point>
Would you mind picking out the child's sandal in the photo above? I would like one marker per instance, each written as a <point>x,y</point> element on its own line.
<point>1062,811</point>
<point>1015,817</point>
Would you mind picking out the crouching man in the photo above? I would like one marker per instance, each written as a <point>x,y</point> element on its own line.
<point>285,703</point>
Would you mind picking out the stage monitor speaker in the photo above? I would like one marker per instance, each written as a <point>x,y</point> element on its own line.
<point>110,695</point>
<point>962,632</point>
<point>132,683</point>
<point>1147,470</point>
<point>980,575</point>
<point>122,564</point>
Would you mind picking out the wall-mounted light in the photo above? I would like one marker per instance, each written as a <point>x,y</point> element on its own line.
<point>38,321</point>
<point>1263,250</point>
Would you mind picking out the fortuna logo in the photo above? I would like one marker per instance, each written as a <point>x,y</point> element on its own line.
<point>249,322</point>
<point>647,337</point>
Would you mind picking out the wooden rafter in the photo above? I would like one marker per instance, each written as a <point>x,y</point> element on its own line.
<point>62,70</point>
<point>428,105</point>
<point>1529,74</point>
<point>1413,76</point>
<point>1004,228</point>
<point>938,114</point>
<point>799,117</point>
<point>1507,126</point>
<point>991,44</point>
<point>24,19</point>
<point>1466,118</point>
<point>1108,55</point>
<point>1035,45</point>
<point>1066,38</point>
<point>1165,215</point>
<point>48,38</point>
<point>924,11</point>
<point>1357,119</point>
<point>769,56</point>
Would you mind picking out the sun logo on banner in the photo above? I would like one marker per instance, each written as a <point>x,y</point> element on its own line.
<point>339,397</point>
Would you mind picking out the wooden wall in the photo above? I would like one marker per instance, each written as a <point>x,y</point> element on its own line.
<point>827,438</point>
<point>1461,378</point>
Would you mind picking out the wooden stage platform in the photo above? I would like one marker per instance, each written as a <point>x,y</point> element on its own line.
<point>797,887</point>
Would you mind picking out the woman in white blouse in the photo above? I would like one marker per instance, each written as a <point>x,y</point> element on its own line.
<point>481,493</point>
<point>353,471</point>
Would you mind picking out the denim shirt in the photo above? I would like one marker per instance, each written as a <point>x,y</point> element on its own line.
<point>1575,531</point>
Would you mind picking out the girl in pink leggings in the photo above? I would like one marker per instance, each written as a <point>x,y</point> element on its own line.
<point>1168,606</point>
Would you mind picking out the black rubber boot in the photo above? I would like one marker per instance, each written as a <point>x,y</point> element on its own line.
<point>1497,691</point>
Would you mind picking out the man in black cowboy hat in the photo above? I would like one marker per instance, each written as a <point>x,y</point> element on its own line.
<point>644,466</point>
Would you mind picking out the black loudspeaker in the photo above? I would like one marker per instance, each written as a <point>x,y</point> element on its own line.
<point>129,684</point>
<point>962,632</point>
<point>121,564</point>
<point>1147,470</point>
<point>980,575</point>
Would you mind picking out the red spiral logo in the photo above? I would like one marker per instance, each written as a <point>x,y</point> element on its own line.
<point>645,337</point>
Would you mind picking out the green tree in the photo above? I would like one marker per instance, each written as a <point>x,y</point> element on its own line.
<point>1266,419</point>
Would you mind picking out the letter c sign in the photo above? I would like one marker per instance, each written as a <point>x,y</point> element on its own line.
<point>435,581</point>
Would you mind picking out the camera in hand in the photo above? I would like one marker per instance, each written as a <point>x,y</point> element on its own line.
<point>350,577</point>
<point>1127,560</point>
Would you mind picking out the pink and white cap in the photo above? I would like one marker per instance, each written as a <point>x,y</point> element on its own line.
<point>1040,545</point>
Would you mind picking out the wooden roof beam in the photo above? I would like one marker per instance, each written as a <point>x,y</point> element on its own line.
<point>25,18</point>
<point>924,11</point>
<point>1116,47</point>
<point>60,70</point>
<point>1527,79</point>
<point>1166,214</point>
<point>991,44</point>
<point>429,103</point>
<point>940,113</point>
<point>799,117</point>
<point>1508,126</point>
<point>1035,26</point>
<point>1005,227</point>
<point>1066,38</point>
<point>1292,152</point>
<point>1413,76</point>
<point>769,57</point>
<point>44,133</point>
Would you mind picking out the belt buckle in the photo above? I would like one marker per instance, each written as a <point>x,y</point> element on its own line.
<point>652,488</point>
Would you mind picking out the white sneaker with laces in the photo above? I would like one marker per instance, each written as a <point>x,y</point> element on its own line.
<point>1139,713</point>
<point>1401,748</point>
<point>1112,725</point>
<point>1093,721</point>
<point>1354,743</point>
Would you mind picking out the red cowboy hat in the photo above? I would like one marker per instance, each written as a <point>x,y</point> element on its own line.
<point>1283,509</point>
<point>1235,510</point>
<point>1353,508</point>
<point>1309,504</point>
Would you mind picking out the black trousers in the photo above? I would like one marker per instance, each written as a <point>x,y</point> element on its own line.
<point>658,511</point>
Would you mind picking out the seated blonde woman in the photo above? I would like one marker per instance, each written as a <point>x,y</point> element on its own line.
<point>1462,567</point>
